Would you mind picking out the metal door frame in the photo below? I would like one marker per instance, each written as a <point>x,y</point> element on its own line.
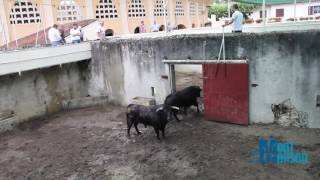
<point>172,62</point>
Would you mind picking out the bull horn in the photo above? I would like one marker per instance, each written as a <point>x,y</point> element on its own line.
<point>175,107</point>
<point>159,109</point>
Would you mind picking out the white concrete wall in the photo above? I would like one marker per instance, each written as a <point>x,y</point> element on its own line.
<point>301,10</point>
<point>189,68</point>
<point>256,14</point>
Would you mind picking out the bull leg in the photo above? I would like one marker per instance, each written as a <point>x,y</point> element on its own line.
<point>198,108</point>
<point>129,124</point>
<point>157,132</point>
<point>176,117</point>
<point>136,127</point>
<point>185,110</point>
<point>163,132</point>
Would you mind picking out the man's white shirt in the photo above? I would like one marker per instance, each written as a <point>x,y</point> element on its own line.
<point>54,35</point>
<point>74,32</point>
<point>237,18</point>
<point>101,32</point>
<point>155,27</point>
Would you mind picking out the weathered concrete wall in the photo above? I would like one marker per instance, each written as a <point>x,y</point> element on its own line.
<point>283,65</point>
<point>40,92</point>
<point>189,68</point>
<point>131,69</point>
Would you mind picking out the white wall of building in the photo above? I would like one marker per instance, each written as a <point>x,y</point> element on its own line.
<point>301,10</point>
<point>256,14</point>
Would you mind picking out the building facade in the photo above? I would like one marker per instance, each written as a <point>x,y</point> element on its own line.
<point>19,18</point>
<point>287,11</point>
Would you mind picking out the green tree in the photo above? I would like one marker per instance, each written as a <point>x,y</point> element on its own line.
<point>246,8</point>
<point>218,9</point>
<point>221,9</point>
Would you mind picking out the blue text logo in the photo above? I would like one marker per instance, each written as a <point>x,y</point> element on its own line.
<point>272,151</point>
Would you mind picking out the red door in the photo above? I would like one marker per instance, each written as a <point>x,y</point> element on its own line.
<point>226,93</point>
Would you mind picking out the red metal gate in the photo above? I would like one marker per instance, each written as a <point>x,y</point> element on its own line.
<point>226,93</point>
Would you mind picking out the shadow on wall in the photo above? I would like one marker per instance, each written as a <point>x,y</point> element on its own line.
<point>109,32</point>
<point>181,26</point>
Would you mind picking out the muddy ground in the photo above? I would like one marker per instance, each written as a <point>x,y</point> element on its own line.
<point>91,143</point>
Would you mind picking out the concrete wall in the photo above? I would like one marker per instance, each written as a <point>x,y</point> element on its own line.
<point>130,69</point>
<point>189,68</point>
<point>283,65</point>
<point>41,92</point>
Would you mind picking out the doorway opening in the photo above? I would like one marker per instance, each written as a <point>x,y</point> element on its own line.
<point>137,30</point>
<point>225,86</point>
<point>109,32</point>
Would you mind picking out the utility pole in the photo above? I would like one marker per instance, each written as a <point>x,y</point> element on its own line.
<point>164,6</point>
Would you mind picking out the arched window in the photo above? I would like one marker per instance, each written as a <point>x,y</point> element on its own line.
<point>181,26</point>
<point>68,11</point>
<point>106,10</point>
<point>137,30</point>
<point>109,32</point>
<point>193,9</point>
<point>136,9</point>
<point>24,12</point>
<point>158,8</point>
<point>179,10</point>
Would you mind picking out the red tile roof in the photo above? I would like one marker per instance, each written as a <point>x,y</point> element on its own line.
<point>30,40</point>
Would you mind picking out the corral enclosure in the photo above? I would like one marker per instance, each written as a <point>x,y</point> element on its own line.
<point>283,65</point>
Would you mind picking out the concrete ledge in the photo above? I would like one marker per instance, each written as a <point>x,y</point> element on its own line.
<point>85,102</point>
<point>8,124</point>
<point>24,60</point>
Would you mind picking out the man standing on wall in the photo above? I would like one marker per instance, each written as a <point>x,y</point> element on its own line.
<point>54,35</point>
<point>155,27</point>
<point>237,20</point>
<point>142,28</point>
<point>101,31</point>
<point>75,33</point>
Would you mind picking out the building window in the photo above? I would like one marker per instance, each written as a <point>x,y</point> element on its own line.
<point>136,9</point>
<point>106,10</point>
<point>68,11</point>
<point>24,12</point>
<point>193,9</point>
<point>314,10</point>
<point>179,11</point>
<point>158,8</point>
<point>279,12</point>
